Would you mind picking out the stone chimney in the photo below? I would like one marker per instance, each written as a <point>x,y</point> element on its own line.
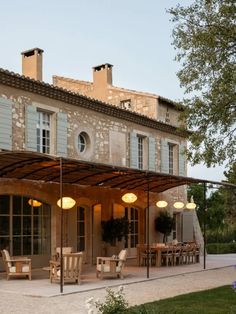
<point>32,63</point>
<point>102,75</point>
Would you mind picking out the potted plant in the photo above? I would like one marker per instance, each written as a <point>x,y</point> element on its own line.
<point>114,229</point>
<point>164,223</point>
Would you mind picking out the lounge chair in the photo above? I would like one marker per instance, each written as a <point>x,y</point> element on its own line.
<point>72,265</point>
<point>16,267</point>
<point>111,266</point>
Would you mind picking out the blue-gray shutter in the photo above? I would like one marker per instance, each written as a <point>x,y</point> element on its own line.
<point>181,160</point>
<point>31,128</point>
<point>5,123</point>
<point>151,154</point>
<point>62,134</point>
<point>164,156</point>
<point>133,150</point>
<point>187,225</point>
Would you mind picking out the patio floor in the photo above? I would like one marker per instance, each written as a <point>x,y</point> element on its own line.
<point>40,285</point>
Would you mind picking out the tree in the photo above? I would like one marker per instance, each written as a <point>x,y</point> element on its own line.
<point>164,224</point>
<point>230,195</point>
<point>204,37</point>
<point>215,205</point>
<point>197,191</point>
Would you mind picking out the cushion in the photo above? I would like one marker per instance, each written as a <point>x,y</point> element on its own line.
<point>106,268</point>
<point>24,269</point>
<point>7,255</point>
<point>122,255</point>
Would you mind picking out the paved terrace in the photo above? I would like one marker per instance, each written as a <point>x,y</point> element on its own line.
<point>40,296</point>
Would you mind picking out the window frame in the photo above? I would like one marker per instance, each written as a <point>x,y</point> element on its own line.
<point>44,131</point>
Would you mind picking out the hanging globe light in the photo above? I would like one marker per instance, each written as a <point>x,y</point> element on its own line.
<point>178,205</point>
<point>129,198</point>
<point>191,204</point>
<point>66,202</point>
<point>161,204</point>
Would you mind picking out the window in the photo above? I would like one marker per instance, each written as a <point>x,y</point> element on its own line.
<point>43,132</point>
<point>171,158</point>
<point>140,152</point>
<point>125,104</point>
<point>30,231</point>
<point>81,143</point>
<point>167,119</point>
<point>80,228</point>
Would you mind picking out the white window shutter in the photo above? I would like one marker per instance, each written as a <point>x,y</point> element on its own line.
<point>151,154</point>
<point>182,159</point>
<point>164,156</point>
<point>5,123</point>
<point>31,128</point>
<point>62,134</point>
<point>133,150</point>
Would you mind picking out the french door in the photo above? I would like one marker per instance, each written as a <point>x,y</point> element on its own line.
<point>132,214</point>
<point>24,228</point>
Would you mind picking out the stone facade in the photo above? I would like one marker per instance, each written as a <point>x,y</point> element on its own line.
<point>108,139</point>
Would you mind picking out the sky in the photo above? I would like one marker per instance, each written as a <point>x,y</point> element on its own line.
<point>133,35</point>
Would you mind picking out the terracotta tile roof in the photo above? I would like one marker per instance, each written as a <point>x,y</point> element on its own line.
<point>44,89</point>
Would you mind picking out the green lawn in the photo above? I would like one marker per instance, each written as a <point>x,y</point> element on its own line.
<point>220,300</point>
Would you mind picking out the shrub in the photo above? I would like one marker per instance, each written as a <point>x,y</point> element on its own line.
<point>221,248</point>
<point>115,229</point>
<point>164,224</point>
<point>115,302</point>
<point>225,236</point>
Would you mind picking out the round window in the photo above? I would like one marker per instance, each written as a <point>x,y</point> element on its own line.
<point>81,142</point>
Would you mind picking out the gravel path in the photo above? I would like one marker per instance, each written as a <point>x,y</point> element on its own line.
<point>137,293</point>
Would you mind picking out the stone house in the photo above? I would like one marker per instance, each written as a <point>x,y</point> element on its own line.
<point>94,122</point>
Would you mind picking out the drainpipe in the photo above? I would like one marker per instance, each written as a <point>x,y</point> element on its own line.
<point>147,221</point>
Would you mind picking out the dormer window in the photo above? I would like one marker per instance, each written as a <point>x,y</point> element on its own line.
<point>125,104</point>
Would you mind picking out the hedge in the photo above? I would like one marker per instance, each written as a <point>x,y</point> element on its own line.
<point>221,248</point>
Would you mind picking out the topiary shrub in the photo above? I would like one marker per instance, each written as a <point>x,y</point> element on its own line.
<point>164,223</point>
<point>115,229</point>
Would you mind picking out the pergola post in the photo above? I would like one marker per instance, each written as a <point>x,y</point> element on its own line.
<point>62,222</point>
<point>204,225</point>
<point>147,226</point>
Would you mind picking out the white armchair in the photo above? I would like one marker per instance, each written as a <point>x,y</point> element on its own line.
<point>16,267</point>
<point>111,266</point>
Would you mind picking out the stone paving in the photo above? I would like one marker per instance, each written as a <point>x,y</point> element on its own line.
<point>39,296</point>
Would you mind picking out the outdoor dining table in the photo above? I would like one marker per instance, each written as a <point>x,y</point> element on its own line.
<point>156,249</point>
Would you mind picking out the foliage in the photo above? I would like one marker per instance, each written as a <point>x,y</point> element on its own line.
<point>220,300</point>
<point>215,211</point>
<point>230,195</point>
<point>197,191</point>
<point>115,302</point>
<point>204,36</point>
<point>215,205</point>
<point>164,224</point>
<point>222,236</point>
<point>114,229</point>
<point>221,248</point>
